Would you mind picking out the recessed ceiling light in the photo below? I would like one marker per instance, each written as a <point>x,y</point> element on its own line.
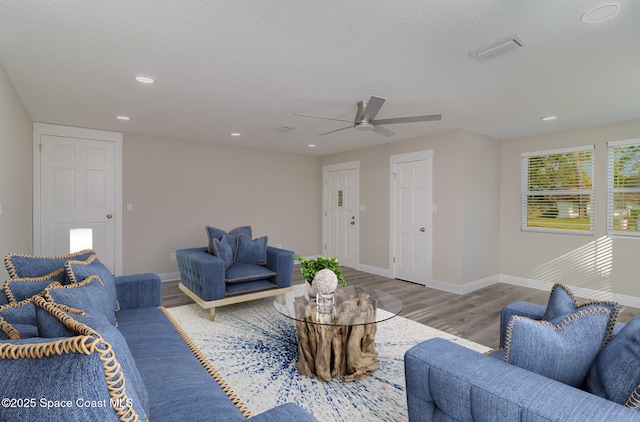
<point>601,13</point>
<point>144,79</point>
<point>124,118</point>
<point>235,134</point>
<point>311,145</point>
<point>548,118</point>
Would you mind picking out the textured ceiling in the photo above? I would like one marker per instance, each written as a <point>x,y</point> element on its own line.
<point>248,66</point>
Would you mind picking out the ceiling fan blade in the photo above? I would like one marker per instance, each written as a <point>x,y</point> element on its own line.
<point>412,119</point>
<point>337,130</point>
<point>373,107</point>
<point>323,117</point>
<point>383,131</point>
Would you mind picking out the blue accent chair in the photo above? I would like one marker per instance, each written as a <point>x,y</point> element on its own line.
<point>208,281</point>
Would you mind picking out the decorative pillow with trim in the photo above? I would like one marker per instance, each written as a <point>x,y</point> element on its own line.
<point>84,374</point>
<point>562,302</point>
<point>563,351</point>
<point>214,233</point>
<point>222,249</point>
<point>615,374</point>
<point>56,321</point>
<point>88,295</point>
<point>78,271</point>
<point>251,251</point>
<point>19,289</point>
<point>28,266</point>
<point>18,320</point>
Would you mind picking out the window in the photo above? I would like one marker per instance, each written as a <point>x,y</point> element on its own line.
<point>557,191</point>
<point>623,211</point>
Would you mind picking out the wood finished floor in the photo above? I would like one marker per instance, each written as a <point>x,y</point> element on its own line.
<point>474,316</point>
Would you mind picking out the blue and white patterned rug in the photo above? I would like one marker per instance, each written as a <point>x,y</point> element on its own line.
<point>255,349</point>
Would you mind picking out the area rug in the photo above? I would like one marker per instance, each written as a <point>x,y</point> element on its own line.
<point>255,349</point>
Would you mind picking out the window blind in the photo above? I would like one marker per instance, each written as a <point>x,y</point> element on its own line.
<point>623,178</point>
<point>557,190</point>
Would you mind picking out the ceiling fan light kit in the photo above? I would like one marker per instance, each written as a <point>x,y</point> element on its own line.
<point>366,114</point>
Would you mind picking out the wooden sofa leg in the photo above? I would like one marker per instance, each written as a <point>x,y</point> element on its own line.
<point>212,314</point>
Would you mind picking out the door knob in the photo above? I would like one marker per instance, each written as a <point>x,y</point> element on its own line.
<point>109,215</point>
<point>422,229</point>
<point>353,223</point>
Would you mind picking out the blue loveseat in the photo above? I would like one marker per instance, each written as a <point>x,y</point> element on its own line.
<point>95,347</point>
<point>233,268</point>
<point>448,382</point>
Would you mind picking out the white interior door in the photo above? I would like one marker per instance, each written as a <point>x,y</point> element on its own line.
<point>341,212</point>
<point>77,188</point>
<point>411,214</point>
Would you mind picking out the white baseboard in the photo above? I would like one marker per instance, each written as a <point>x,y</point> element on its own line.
<point>583,292</point>
<point>383,272</point>
<point>169,277</point>
<point>463,289</point>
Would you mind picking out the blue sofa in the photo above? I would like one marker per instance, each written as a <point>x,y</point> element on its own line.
<point>448,382</point>
<point>75,365</point>
<point>233,268</point>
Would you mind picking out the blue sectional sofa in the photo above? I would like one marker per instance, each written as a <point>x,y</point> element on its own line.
<point>447,382</point>
<point>95,347</point>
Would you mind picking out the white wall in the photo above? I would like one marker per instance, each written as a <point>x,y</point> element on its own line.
<point>15,171</point>
<point>178,187</point>
<point>465,179</point>
<point>576,260</point>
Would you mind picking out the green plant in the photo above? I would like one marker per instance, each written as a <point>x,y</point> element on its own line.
<point>309,267</point>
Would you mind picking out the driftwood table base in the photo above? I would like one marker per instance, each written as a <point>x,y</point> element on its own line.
<point>334,351</point>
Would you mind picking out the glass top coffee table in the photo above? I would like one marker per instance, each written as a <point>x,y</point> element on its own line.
<point>340,343</point>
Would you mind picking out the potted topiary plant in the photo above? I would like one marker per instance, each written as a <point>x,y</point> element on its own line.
<point>309,267</point>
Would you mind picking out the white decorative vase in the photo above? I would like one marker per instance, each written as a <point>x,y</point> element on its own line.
<point>326,283</point>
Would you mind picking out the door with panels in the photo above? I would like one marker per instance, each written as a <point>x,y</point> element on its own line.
<point>341,212</point>
<point>77,188</point>
<point>411,214</point>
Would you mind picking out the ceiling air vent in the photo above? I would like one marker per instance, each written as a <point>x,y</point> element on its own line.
<point>498,48</point>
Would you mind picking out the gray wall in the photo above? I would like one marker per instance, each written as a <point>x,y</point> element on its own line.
<point>466,188</point>
<point>178,187</point>
<point>572,259</point>
<point>16,174</point>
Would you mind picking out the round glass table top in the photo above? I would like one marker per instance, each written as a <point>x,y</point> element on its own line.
<point>352,306</point>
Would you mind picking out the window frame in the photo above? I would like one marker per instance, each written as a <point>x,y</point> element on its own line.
<point>525,192</point>
<point>611,190</point>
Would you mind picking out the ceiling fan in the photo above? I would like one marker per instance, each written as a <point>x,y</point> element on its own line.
<point>366,118</point>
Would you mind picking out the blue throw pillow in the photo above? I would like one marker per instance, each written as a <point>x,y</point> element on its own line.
<point>87,356</point>
<point>562,302</point>
<point>214,233</point>
<point>251,251</point>
<point>563,351</point>
<point>27,266</point>
<point>78,271</point>
<point>88,295</point>
<point>615,374</point>
<point>18,320</point>
<point>222,249</point>
<point>19,289</point>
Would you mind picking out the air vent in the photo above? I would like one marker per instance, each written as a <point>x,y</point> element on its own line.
<point>498,49</point>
